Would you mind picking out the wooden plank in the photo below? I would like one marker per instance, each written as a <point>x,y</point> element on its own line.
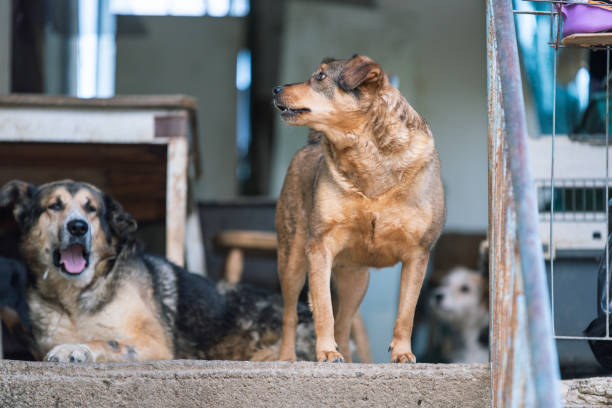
<point>118,102</point>
<point>176,200</point>
<point>174,125</point>
<point>133,174</point>
<point>78,125</point>
<point>589,40</point>
<point>258,240</point>
<point>79,154</point>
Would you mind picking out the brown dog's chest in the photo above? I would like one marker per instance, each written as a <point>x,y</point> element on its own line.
<point>376,233</point>
<point>127,316</point>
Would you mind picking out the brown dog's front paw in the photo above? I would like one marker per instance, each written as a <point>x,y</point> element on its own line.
<point>401,353</point>
<point>403,358</point>
<point>329,357</point>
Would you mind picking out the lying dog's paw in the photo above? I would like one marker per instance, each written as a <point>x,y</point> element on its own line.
<point>329,357</point>
<point>70,353</point>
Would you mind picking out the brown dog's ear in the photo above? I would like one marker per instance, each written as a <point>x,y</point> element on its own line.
<point>121,222</point>
<point>358,71</point>
<point>20,194</point>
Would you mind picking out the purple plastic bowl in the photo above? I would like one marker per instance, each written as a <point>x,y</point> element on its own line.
<point>585,18</point>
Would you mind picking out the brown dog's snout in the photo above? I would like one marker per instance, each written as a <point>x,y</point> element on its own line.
<point>276,90</point>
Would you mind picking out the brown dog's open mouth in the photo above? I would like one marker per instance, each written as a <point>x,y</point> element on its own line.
<point>72,260</point>
<point>289,112</point>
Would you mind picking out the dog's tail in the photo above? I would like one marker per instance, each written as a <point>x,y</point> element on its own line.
<point>314,136</point>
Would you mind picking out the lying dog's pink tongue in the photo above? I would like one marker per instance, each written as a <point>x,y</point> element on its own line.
<point>72,258</point>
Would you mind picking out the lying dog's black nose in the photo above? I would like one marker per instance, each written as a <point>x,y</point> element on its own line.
<point>78,228</point>
<point>439,298</point>
<point>277,90</point>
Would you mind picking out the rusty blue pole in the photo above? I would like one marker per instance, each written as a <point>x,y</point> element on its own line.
<point>542,348</point>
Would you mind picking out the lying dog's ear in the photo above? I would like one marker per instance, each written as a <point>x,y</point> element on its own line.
<point>121,222</point>
<point>20,194</point>
<point>16,191</point>
<point>358,71</point>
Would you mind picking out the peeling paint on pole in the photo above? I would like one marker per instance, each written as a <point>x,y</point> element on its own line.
<point>524,366</point>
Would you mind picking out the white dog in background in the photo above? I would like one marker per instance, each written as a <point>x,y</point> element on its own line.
<point>460,307</point>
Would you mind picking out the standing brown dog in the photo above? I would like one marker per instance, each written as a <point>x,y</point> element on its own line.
<point>365,193</point>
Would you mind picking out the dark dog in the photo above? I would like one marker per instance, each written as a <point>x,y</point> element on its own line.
<point>367,194</point>
<point>94,295</point>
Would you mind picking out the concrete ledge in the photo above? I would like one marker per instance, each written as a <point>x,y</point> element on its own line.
<point>189,383</point>
<point>587,392</point>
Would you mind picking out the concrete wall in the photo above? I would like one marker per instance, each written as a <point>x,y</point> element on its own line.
<point>439,56</point>
<point>196,56</point>
<point>189,383</point>
<point>5,47</point>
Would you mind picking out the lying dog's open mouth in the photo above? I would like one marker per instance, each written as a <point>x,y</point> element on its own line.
<point>72,260</point>
<point>287,112</point>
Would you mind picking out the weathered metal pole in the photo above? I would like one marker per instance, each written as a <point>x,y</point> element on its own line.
<point>507,80</point>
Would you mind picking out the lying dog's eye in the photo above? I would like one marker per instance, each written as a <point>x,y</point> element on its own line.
<point>56,206</point>
<point>320,76</point>
<point>465,289</point>
<point>90,208</point>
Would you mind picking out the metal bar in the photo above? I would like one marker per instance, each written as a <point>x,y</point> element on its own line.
<point>582,338</point>
<point>504,323</point>
<point>607,193</point>
<point>552,187</point>
<point>542,349</point>
<point>556,1</point>
<point>537,13</point>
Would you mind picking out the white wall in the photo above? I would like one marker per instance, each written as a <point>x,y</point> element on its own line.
<point>439,54</point>
<point>195,56</point>
<point>5,47</point>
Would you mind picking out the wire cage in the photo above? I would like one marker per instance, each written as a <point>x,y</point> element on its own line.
<point>576,208</point>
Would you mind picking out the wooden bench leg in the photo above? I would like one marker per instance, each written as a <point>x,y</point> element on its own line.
<point>233,265</point>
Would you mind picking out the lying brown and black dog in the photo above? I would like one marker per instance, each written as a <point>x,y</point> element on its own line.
<point>93,295</point>
<point>366,194</point>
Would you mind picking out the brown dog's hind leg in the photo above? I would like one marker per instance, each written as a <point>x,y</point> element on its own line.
<point>351,285</point>
<point>413,273</point>
<point>292,275</point>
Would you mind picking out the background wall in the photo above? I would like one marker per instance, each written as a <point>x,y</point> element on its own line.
<point>5,46</point>
<point>195,56</point>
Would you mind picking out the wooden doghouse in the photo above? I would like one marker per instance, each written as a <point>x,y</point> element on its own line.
<point>136,148</point>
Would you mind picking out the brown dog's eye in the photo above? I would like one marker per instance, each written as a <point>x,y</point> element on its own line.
<point>89,208</point>
<point>56,206</point>
<point>320,76</point>
<point>465,289</point>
